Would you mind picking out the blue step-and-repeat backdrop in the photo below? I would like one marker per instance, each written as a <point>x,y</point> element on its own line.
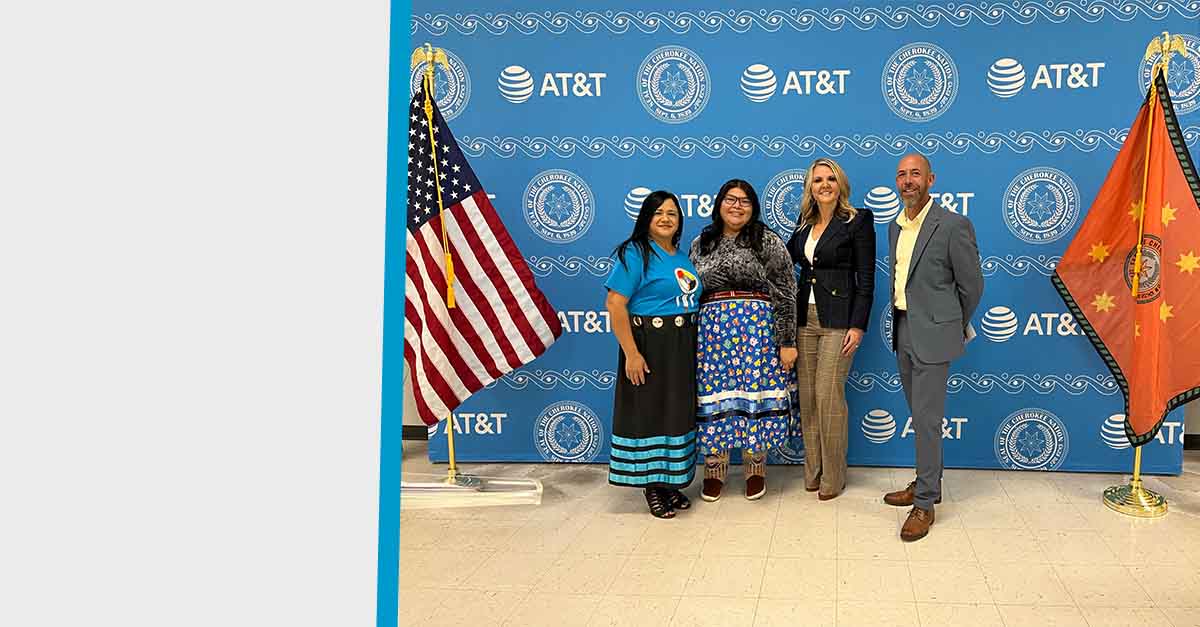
<point>571,114</point>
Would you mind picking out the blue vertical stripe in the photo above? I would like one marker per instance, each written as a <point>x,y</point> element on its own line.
<point>391,419</point>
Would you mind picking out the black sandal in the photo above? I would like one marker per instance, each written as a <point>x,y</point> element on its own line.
<point>678,500</point>
<point>660,507</point>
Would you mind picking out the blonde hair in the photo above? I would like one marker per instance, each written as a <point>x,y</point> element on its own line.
<point>809,211</point>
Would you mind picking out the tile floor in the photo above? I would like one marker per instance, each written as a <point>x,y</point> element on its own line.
<point>1008,548</point>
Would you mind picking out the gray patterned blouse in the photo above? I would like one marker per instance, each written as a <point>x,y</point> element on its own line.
<point>733,267</point>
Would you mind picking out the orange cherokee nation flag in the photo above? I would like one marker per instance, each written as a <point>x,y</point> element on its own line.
<point>1142,314</point>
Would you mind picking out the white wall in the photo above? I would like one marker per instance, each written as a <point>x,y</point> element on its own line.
<point>191,263</point>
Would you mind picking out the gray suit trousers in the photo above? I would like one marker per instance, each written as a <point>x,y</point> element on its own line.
<point>925,389</point>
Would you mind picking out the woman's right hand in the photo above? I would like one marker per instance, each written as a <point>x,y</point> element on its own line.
<point>636,368</point>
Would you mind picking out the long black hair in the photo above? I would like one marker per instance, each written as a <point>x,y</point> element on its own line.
<point>641,228</point>
<point>750,236</point>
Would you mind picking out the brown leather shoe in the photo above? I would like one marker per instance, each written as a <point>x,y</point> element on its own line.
<point>756,486</point>
<point>824,495</point>
<point>918,524</point>
<point>905,497</point>
<point>711,490</point>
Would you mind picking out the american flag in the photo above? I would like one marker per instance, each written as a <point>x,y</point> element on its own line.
<point>501,320</point>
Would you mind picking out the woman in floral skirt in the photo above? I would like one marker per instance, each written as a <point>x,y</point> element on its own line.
<point>746,341</point>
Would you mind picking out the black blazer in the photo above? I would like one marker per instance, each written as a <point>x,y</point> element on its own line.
<point>842,272</point>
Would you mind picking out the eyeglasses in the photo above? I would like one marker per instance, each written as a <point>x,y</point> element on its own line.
<point>731,201</point>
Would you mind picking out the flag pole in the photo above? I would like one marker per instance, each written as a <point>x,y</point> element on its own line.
<point>431,56</point>
<point>1134,499</point>
<point>456,489</point>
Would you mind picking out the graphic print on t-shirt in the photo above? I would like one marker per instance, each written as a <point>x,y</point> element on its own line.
<point>688,284</point>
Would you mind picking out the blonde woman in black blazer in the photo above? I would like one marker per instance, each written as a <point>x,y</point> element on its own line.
<point>834,245</point>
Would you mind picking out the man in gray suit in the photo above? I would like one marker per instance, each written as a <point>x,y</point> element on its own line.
<point>937,283</point>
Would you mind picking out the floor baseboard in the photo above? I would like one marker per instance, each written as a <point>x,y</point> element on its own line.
<point>415,432</point>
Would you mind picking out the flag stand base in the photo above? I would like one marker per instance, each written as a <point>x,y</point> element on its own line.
<point>1134,500</point>
<point>422,491</point>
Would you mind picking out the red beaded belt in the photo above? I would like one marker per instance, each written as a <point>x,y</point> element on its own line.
<point>732,294</point>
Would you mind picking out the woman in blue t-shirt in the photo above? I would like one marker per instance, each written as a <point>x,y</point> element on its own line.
<point>652,300</point>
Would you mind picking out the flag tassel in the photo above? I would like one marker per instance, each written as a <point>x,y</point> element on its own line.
<point>433,58</point>
<point>449,279</point>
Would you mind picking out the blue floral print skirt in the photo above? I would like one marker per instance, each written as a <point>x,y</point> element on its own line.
<point>746,399</point>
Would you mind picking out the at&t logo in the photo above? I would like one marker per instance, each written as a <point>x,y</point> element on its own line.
<point>584,321</point>
<point>879,426</point>
<point>568,431</point>
<point>1183,76</point>
<point>920,82</point>
<point>634,200</point>
<point>759,82</point>
<point>885,204</point>
<point>559,206</point>
<point>1051,324</point>
<point>673,84</point>
<point>781,204</point>
<point>516,84</point>
<point>955,202</point>
<point>1000,324</point>
<point>700,205</point>
<point>1041,205</point>
<point>451,85</point>
<point>1112,431</point>
<point>1032,439</point>
<point>481,423</point>
<point>1006,77</point>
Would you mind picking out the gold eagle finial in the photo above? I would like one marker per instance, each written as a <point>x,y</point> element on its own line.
<point>1166,46</point>
<point>429,54</point>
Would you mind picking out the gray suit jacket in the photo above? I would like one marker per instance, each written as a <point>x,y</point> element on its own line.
<point>945,283</point>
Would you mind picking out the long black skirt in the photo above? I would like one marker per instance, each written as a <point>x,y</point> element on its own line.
<point>654,424</point>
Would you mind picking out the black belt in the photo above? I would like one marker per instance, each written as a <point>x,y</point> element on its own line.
<point>658,322</point>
